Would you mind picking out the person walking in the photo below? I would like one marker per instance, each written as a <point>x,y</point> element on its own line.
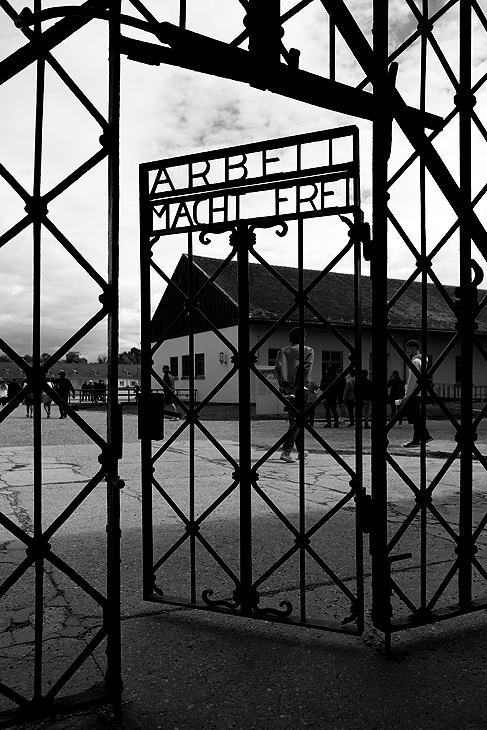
<point>411,400</point>
<point>366,395</point>
<point>395,386</point>
<point>339,388</point>
<point>65,389</point>
<point>293,383</point>
<point>312,393</point>
<point>349,398</point>
<point>168,380</point>
<point>328,386</point>
<point>46,398</point>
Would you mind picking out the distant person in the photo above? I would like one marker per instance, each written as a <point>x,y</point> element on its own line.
<point>395,386</point>
<point>328,386</point>
<point>288,374</point>
<point>65,390</point>
<point>84,391</point>
<point>29,403</point>
<point>313,388</point>
<point>340,386</point>
<point>349,398</point>
<point>366,396</point>
<point>3,393</point>
<point>46,398</point>
<point>99,391</point>
<point>168,379</point>
<point>411,399</point>
<point>14,387</point>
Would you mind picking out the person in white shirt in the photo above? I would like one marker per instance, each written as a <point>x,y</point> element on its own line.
<point>411,399</point>
<point>287,370</point>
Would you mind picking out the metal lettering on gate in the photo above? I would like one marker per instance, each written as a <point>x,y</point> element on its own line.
<point>227,524</point>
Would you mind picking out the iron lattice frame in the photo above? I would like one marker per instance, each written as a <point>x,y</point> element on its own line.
<point>263,27</point>
<point>243,591</point>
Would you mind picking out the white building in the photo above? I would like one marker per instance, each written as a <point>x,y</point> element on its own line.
<point>331,335</point>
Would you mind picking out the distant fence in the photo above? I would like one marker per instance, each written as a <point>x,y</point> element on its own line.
<point>451,392</point>
<point>125,395</point>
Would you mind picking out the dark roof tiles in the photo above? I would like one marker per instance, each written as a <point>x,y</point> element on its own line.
<point>333,296</point>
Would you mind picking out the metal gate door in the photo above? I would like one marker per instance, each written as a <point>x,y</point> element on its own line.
<point>227,525</point>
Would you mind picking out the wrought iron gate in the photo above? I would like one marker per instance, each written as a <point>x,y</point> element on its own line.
<point>423,43</point>
<point>284,542</point>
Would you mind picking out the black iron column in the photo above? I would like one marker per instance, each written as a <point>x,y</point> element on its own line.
<point>114,425</point>
<point>381,149</point>
<point>34,380</point>
<point>242,239</point>
<point>466,319</point>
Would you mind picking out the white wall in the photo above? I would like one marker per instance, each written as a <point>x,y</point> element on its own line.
<point>319,339</point>
<point>211,345</point>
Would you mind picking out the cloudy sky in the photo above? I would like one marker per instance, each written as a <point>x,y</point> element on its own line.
<point>167,111</point>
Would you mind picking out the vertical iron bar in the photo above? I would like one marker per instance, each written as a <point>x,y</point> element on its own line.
<point>182,13</point>
<point>466,321</point>
<point>114,430</point>
<point>332,36</point>
<point>36,357</point>
<point>192,538</point>
<point>145,383</point>
<point>424,321</point>
<point>381,600</point>
<point>302,430</point>
<point>241,238</point>
<point>359,477</point>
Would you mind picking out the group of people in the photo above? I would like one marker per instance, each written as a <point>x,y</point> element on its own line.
<point>62,385</point>
<point>339,400</point>
<point>93,392</point>
<point>300,390</point>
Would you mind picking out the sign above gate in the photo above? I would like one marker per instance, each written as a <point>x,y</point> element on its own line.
<point>303,176</point>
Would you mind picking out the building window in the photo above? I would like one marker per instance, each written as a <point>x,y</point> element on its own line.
<point>174,366</point>
<point>331,358</point>
<point>272,355</point>
<point>199,365</point>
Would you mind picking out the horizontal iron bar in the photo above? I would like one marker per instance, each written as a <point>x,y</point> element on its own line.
<point>439,614</point>
<point>23,57</point>
<point>198,53</point>
<point>333,626</point>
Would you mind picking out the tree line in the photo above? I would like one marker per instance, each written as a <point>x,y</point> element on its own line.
<point>131,356</point>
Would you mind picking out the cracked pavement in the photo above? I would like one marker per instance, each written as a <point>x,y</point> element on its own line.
<point>71,617</point>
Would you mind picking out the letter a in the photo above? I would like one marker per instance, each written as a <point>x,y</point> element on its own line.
<point>162,178</point>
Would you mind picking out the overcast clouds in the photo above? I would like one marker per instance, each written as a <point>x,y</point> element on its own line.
<point>167,111</point>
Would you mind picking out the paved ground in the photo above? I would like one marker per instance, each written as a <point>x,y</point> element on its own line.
<point>190,669</point>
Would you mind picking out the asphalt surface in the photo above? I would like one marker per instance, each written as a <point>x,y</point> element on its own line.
<point>185,668</point>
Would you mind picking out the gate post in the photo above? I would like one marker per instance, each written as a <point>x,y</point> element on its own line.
<point>381,599</point>
<point>242,239</point>
<point>114,658</point>
<point>466,318</point>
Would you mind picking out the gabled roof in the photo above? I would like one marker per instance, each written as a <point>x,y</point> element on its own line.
<point>333,296</point>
